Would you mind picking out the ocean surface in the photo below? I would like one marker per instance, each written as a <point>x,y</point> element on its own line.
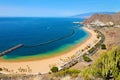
<point>41,36</point>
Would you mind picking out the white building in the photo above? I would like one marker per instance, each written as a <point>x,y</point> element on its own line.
<point>97,23</point>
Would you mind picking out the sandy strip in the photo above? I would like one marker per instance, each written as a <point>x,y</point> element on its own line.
<point>43,66</point>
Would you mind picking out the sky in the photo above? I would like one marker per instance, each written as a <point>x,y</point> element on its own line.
<point>55,8</point>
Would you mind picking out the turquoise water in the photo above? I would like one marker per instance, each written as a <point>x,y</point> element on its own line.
<point>55,35</point>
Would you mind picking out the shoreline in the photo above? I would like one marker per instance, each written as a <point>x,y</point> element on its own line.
<point>43,65</point>
<point>52,54</point>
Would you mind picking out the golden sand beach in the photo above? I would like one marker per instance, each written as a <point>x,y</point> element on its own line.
<point>44,65</point>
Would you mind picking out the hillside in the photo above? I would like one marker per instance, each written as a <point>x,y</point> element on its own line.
<point>104,18</point>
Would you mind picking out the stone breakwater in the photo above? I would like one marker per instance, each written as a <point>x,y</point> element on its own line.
<point>11,49</point>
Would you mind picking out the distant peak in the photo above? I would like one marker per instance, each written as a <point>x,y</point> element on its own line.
<point>87,15</point>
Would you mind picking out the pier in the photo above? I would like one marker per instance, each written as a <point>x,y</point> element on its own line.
<point>11,49</point>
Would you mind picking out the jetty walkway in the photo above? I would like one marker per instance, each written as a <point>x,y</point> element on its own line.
<point>11,49</point>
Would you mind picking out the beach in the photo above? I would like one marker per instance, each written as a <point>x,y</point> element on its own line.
<point>44,65</point>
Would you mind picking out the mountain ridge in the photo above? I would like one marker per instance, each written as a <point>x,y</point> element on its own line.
<point>104,18</point>
<point>87,15</point>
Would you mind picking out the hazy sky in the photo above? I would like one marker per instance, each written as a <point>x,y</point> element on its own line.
<point>54,8</point>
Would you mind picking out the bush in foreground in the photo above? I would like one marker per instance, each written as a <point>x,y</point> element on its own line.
<point>71,72</point>
<point>107,67</point>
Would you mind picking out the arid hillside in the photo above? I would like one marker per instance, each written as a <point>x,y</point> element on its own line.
<point>115,18</point>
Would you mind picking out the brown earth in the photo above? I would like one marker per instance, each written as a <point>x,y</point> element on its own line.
<point>115,18</point>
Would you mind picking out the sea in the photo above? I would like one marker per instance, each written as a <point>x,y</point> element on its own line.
<point>42,37</point>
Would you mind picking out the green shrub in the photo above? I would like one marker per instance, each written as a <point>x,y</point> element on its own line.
<point>91,50</point>
<point>103,46</point>
<point>71,72</point>
<point>87,59</point>
<point>54,69</point>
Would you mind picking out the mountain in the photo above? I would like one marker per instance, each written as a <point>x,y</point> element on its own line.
<point>87,15</point>
<point>104,19</point>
